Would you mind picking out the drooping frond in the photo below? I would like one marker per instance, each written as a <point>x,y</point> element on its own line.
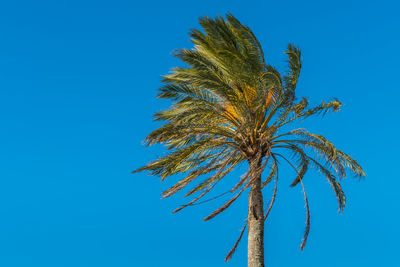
<point>324,171</point>
<point>322,147</point>
<point>337,188</point>
<point>308,220</point>
<point>272,174</point>
<point>226,205</point>
<point>272,201</point>
<point>216,163</point>
<point>233,249</point>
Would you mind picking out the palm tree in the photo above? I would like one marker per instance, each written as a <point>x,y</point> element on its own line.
<point>230,106</point>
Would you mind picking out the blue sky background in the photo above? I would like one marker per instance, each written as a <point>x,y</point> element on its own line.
<point>77,92</point>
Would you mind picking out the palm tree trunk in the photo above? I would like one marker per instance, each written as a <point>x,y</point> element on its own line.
<point>255,250</point>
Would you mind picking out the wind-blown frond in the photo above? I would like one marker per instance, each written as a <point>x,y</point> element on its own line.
<point>308,224</point>
<point>272,174</point>
<point>334,157</point>
<point>226,205</point>
<point>293,74</point>
<point>233,249</point>
<point>272,201</point>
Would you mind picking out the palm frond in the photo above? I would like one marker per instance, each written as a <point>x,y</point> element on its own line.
<point>308,216</point>
<point>233,249</point>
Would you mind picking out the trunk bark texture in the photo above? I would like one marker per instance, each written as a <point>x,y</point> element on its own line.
<point>255,250</point>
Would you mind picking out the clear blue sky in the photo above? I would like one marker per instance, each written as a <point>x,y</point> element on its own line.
<point>77,92</point>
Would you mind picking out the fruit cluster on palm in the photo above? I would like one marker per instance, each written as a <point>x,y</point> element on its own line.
<point>230,106</point>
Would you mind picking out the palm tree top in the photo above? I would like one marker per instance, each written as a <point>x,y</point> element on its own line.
<point>230,106</point>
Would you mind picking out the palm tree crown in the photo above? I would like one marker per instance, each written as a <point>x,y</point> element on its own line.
<point>230,106</point>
